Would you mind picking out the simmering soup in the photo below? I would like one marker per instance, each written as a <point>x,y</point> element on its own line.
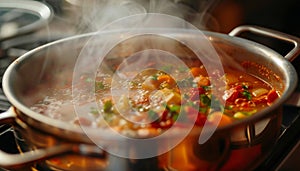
<point>154,99</point>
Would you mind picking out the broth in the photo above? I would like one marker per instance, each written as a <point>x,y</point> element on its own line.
<point>151,101</point>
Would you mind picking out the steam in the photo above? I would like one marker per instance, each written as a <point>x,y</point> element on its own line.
<point>92,15</point>
<point>120,20</point>
<point>136,26</point>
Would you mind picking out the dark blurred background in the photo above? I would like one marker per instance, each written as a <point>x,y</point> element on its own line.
<point>281,15</point>
<point>276,14</point>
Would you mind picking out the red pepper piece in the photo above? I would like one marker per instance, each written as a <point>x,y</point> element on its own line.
<point>272,96</point>
<point>231,94</point>
<point>201,119</point>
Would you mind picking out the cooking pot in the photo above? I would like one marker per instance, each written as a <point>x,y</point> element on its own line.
<point>65,146</point>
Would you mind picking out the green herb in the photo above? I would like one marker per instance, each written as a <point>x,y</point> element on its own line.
<point>154,77</point>
<point>99,85</point>
<point>108,117</point>
<point>247,94</point>
<point>205,99</point>
<point>230,107</point>
<point>94,111</point>
<point>206,88</point>
<point>107,107</point>
<point>89,80</point>
<point>174,108</point>
<point>245,87</point>
<point>175,116</point>
<point>203,109</point>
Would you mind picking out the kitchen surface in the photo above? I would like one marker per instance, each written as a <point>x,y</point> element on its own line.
<point>56,19</point>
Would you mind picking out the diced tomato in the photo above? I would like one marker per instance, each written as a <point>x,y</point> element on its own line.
<point>201,119</point>
<point>272,96</point>
<point>238,91</point>
<point>238,88</point>
<point>201,90</point>
<point>230,95</point>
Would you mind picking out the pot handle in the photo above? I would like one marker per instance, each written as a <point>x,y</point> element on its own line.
<point>8,116</point>
<point>273,34</point>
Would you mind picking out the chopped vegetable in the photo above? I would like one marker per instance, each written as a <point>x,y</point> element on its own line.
<point>230,95</point>
<point>154,77</point>
<point>195,71</point>
<point>174,108</point>
<point>259,92</point>
<point>154,100</point>
<point>202,81</point>
<point>89,80</point>
<point>239,115</point>
<point>94,111</point>
<point>272,96</point>
<point>166,79</point>
<point>99,85</point>
<point>247,94</point>
<point>107,107</point>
